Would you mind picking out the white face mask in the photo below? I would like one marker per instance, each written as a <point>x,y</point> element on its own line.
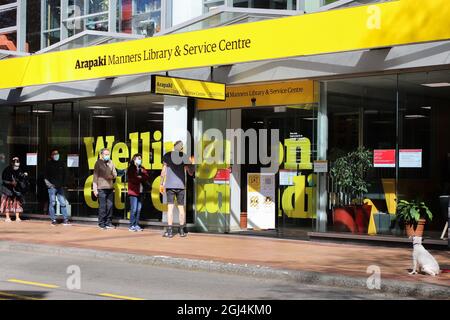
<point>16,167</point>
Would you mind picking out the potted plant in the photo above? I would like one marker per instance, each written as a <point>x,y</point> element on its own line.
<point>348,175</point>
<point>413,214</point>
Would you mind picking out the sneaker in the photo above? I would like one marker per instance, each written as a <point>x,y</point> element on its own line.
<point>139,229</point>
<point>168,233</point>
<point>132,229</point>
<point>66,223</point>
<point>110,227</point>
<point>54,223</point>
<point>182,233</point>
<point>102,227</point>
<point>8,220</point>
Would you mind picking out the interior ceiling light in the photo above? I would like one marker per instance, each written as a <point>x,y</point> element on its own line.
<point>98,107</point>
<point>415,116</point>
<point>158,103</point>
<point>437,85</point>
<point>103,117</point>
<point>427,108</point>
<point>41,111</point>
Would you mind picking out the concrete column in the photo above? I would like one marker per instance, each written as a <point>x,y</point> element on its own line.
<point>235,179</point>
<point>322,148</point>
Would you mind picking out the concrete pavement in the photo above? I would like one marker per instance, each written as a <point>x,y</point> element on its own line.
<point>319,263</point>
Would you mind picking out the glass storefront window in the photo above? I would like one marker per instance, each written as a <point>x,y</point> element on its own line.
<point>8,18</point>
<point>8,41</point>
<point>266,4</point>
<point>402,119</point>
<point>52,18</point>
<point>146,19</point>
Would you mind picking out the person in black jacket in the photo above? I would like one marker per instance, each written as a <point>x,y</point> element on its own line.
<point>14,185</point>
<point>55,179</point>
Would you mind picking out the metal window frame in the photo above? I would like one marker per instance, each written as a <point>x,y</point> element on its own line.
<point>110,35</point>
<point>224,8</point>
<point>21,23</point>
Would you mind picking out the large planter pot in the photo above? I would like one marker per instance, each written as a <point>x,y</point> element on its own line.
<point>343,220</point>
<point>413,230</point>
<point>362,218</point>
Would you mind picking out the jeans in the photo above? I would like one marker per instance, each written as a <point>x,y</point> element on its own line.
<point>105,210</point>
<point>135,210</point>
<point>52,194</point>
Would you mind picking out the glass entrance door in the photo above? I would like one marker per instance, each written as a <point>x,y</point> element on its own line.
<point>295,182</point>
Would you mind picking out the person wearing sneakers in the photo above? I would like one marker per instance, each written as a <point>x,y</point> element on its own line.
<point>14,185</point>
<point>137,180</point>
<point>173,182</point>
<point>55,180</point>
<point>103,188</point>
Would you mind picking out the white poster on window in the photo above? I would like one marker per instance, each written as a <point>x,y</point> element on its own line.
<point>31,159</point>
<point>410,158</point>
<point>73,160</point>
<point>260,201</point>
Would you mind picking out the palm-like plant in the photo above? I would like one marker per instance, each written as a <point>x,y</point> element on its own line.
<point>410,212</point>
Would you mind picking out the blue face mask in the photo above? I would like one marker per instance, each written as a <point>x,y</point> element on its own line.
<point>106,158</point>
<point>138,162</point>
<point>56,157</point>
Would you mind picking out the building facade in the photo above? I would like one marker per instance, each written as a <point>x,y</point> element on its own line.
<point>393,100</point>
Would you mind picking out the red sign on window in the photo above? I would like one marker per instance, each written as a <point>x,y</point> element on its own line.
<point>384,158</point>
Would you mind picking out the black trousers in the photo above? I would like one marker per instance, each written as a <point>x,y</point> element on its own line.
<point>105,210</point>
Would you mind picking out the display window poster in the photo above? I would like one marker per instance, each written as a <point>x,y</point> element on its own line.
<point>261,201</point>
<point>73,160</point>
<point>287,177</point>
<point>410,158</point>
<point>384,158</point>
<point>32,159</point>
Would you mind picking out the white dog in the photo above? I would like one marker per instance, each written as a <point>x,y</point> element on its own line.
<point>423,259</point>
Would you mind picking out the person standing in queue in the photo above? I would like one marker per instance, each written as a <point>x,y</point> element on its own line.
<point>173,182</point>
<point>15,184</point>
<point>55,180</point>
<point>137,180</point>
<point>103,188</point>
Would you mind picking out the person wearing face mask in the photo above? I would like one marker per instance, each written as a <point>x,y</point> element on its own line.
<point>173,182</point>
<point>14,185</point>
<point>55,180</point>
<point>137,180</point>
<point>103,188</point>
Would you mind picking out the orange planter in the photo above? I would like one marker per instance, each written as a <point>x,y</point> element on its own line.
<point>412,230</point>
<point>362,218</point>
<point>343,219</point>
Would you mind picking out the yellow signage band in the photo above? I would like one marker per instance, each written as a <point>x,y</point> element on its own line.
<point>188,88</point>
<point>362,27</point>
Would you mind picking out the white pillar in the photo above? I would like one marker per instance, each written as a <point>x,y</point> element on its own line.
<point>322,148</point>
<point>235,179</point>
<point>175,128</point>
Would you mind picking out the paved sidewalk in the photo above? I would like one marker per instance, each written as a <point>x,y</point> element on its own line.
<point>291,255</point>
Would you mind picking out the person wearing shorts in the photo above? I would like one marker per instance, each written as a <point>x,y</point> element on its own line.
<point>173,182</point>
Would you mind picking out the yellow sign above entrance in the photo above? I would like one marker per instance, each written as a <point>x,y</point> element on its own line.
<point>188,88</point>
<point>361,27</point>
<point>264,95</point>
